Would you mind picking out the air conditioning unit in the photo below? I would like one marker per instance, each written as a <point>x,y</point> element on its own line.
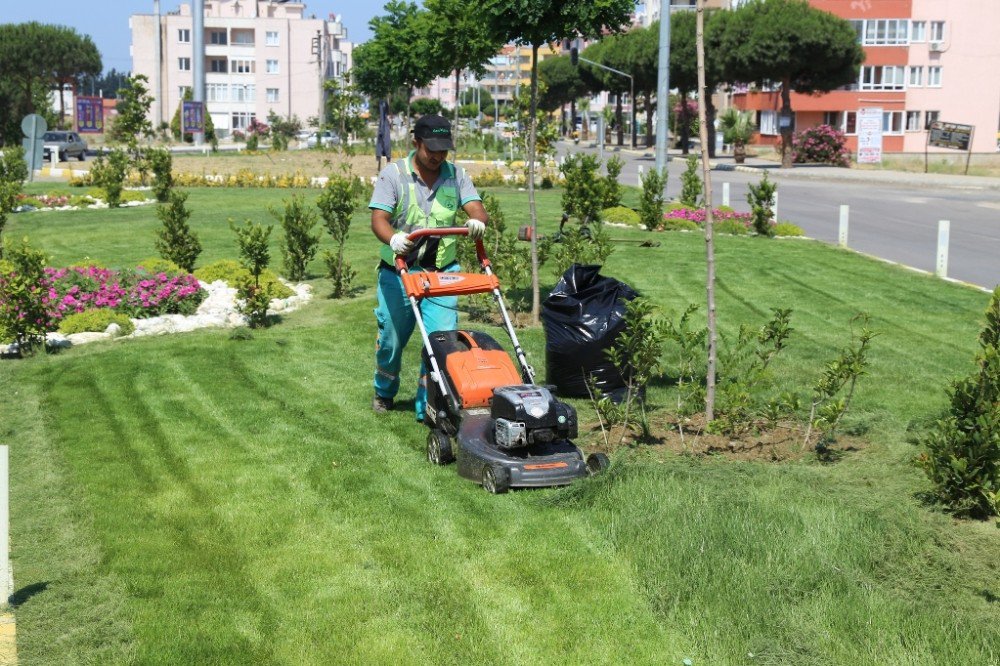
<point>936,47</point>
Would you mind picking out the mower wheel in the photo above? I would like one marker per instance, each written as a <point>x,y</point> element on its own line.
<point>439,448</point>
<point>496,479</point>
<point>597,463</point>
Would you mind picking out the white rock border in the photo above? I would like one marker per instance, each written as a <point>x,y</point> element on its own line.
<point>218,310</point>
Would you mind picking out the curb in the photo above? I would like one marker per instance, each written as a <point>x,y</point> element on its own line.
<point>8,640</point>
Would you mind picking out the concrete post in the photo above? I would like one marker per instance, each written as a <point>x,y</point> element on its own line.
<point>944,230</point>
<point>6,574</point>
<point>639,177</point>
<point>725,194</point>
<point>845,214</point>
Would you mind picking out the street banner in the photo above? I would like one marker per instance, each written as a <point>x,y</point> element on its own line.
<point>193,117</point>
<point>870,136</point>
<point>89,115</point>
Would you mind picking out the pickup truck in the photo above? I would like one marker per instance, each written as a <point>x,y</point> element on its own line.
<point>66,145</point>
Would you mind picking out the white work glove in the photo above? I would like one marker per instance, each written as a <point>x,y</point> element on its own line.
<point>477,228</point>
<point>400,244</point>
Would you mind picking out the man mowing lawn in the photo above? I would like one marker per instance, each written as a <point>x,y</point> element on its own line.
<point>421,190</point>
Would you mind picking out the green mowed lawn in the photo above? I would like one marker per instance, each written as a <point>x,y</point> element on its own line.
<point>201,499</point>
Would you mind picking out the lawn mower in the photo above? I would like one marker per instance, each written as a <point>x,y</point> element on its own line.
<point>503,430</point>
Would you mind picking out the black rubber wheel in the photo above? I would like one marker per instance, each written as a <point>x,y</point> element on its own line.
<point>82,156</point>
<point>597,463</point>
<point>439,448</point>
<point>496,479</point>
<point>63,157</point>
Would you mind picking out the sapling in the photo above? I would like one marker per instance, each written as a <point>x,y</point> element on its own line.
<point>254,256</point>
<point>651,201</point>
<point>691,189</point>
<point>300,242</point>
<point>761,200</point>
<point>612,188</point>
<point>161,163</point>
<point>336,206</point>
<point>175,240</point>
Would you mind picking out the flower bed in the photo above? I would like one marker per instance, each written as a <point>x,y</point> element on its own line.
<point>137,293</point>
<point>698,216</point>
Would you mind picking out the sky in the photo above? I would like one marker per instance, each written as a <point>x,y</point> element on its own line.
<point>106,21</point>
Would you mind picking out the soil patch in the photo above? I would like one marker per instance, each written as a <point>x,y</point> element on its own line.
<point>782,443</point>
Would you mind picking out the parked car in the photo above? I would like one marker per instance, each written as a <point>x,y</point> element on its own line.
<point>66,145</point>
<point>324,139</point>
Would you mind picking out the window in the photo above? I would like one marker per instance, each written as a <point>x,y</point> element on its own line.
<point>892,122</point>
<point>216,92</point>
<point>241,120</point>
<point>272,66</point>
<point>918,31</point>
<point>882,32</point>
<point>184,64</point>
<point>245,93</point>
<point>850,122</point>
<point>913,121</point>
<point>768,122</point>
<point>182,91</point>
<point>831,118</point>
<point>272,95</point>
<point>217,37</point>
<point>882,77</point>
<point>217,65</point>
<point>183,35</point>
<point>916,78</point>
<point>934,77</point>
<point>242,66</point>
<point>937,31</point>
<point>272,38</point>
<point>931,117</point>
<point>243,38</point>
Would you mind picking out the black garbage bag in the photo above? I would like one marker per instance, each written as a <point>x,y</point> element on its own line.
<point>582,317</point>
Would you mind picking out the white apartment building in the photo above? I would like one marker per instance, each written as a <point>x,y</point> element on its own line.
<point>260,56</point>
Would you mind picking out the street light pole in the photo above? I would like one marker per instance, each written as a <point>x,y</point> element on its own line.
<point>663,89</point>
<point>631,85</point>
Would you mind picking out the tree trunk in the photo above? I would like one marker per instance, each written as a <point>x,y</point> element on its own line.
<point>458,99</point>
<point>535,295</point>
<point>709,221</point>
<point>786,132</point>
<point>685,122</point>
<point>710,113</point>
<point>572,117</point>
<point>633,114</point>
<point>619,119</point>
<point>649,119</point>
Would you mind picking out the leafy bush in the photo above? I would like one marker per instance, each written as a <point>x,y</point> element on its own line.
<point>254,256</point>
<point>731,226</point>
<point>25,314</point>
<point>108,172</point>
<point>822,144</point>
<point>231,272</point>
<point>95,320</point>
<point>612,195</point>
<point>962,456</point>
<point>161,164</point>
<point>579,246</point>
<point>673,224</point>
<point>584,193</point>
<point>651,201</point>
<point>336,206</point>
<point>175,240</point>
<point>621,215</point>
<point>761,200</point>
<point>299,243</point>
<point>691,190</point>
<point>157,265</point>
<point>491,177</point>
<point>13,173</point>
<point>786,228</point>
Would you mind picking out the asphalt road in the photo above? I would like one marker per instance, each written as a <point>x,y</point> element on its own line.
<point>893,215</point>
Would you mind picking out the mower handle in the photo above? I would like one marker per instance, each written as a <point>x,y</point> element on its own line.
<point>417,234</point>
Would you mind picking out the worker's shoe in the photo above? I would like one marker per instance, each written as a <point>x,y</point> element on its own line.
<point>381,405</point>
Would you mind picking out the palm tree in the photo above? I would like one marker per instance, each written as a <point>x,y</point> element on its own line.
<point>737,130</point>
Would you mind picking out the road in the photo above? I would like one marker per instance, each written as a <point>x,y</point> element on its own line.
<point>892,215</point>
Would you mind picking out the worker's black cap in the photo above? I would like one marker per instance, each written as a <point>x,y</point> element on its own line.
<point>435,132</point>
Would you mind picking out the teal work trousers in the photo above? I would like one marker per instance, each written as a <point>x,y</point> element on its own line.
<point>396,322</point>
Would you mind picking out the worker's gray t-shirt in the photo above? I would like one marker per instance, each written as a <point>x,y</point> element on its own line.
<point>386,194</point>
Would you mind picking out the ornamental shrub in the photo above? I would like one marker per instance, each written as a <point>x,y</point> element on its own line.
<point>336,206</point>
<point>583,196</point>
<point>96,321</point>
<point>821,144</point>
<point>175,240</point>
<point>108,172</point>
<point>300,241</point>
<point>621,215</point>
<point>651,200</point>
<point>231,272</point>
<point>786,228</point>
<point>691,189</point>
<point>159,265</point>
<point>13,173</point>
<point>761,200</point>
<point>962,456</point>
<point>254,256</point>
<point>161,164</point>
<point>612,195</point>
<point>25,315</point>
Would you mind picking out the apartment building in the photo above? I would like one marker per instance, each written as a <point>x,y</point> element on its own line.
<point>260,56</point>
<point>925,60</point>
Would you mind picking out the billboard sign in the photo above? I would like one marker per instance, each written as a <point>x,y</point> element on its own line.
<point>870,136</point>
<point>193,117</point>
<point>950,135</point>
<point>89,115</point>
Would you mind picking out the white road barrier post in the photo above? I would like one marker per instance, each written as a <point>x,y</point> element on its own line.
<point>944,230</point>
<point>845,214</point>
<point>639,177</point>
<point>6,575</point>
<point>776,206</point>
<point>725,194</point>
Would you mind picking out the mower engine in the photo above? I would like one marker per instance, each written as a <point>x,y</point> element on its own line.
<point>527,414</point>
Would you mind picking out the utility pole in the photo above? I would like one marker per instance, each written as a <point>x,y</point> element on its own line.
<point>663,91</point>
<point>198,56</point>
<point>317,49</point>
